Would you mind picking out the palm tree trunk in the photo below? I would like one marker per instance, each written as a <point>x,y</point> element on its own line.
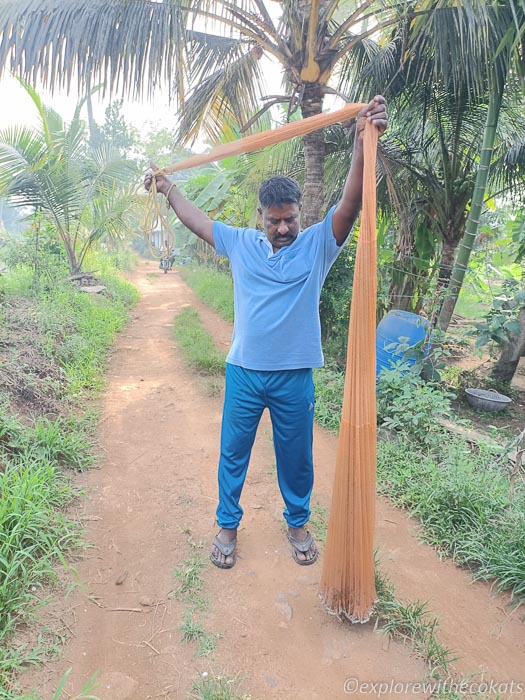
<point>74,266</point>
<point>448,254</point>
<point>314,157</point>
<point>94,136</point>
<point>471,228</point>
<point>401,295</point>
<point>403,273</point>
<point>512,352</point>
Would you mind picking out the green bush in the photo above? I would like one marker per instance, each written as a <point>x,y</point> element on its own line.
<point>33,262</point>
<point>334,307</point>
<point>406,402</point>
<point>329,387</point>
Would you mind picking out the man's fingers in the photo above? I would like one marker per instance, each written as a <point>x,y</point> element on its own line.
<point>377,104</point>
<point>148,175</point>
<point>376,113</point>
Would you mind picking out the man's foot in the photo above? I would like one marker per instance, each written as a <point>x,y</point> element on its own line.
<point>222,552</point>
<point>304,549</point>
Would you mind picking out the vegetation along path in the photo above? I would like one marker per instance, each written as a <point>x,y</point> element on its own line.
<point>154,617</point>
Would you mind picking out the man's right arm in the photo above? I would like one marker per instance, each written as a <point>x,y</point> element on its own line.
<point>191,216</point>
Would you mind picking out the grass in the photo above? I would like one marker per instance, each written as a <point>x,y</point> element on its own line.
<point>217,688</point>
<point>80,330</point>
<point>85,692</point>
<point>190,591</point>
<point>464,502</point>
<point>188,574</point>
<point>411,622</point>
<point>318,522</point>
<point>214,288</point>
<point>471,305</point>
<point>54,342</point>
<point>329,386</point>
<point>64,441</point>
<point>196,344</point>
<point>207,644</point>
<point>34,534</point>
<point>193,631</point>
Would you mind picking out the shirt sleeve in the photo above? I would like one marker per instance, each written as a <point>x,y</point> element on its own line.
<point>225,237</point>
<point>330,249</point>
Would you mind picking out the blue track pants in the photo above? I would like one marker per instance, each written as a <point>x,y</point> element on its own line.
<point>289,396</point>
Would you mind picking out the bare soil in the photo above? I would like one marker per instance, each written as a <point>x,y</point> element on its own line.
<point>150,506</point>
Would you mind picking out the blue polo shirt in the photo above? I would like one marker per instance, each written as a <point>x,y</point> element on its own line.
<point>276,295</point>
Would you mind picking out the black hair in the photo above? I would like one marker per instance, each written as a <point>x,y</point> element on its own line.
<point>279,190</point>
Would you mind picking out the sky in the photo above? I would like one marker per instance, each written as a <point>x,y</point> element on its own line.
<point>19,108</point>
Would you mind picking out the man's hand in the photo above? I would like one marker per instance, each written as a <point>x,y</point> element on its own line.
<point>162,181</point>
<point>374,112</point>
<point>192,217</point>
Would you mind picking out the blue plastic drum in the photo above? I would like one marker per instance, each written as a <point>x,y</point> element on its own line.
<point>410,328</point>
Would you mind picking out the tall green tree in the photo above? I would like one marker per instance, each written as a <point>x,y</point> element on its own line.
<point>208,51</point>
<point>84,195</point>
<point>116,132</point>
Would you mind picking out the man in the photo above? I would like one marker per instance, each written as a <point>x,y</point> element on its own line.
<point>278,276</point>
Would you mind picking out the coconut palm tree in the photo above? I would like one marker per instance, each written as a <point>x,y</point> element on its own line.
<point>433,166</point>
<point>489,34</point>
<point>209,52</point>
<point>445,73</point>
<point>83,195</point>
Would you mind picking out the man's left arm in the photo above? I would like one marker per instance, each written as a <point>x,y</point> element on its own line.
<point>349,206</point>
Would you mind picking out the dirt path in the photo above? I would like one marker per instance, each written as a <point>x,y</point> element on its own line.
<point>151,505</point>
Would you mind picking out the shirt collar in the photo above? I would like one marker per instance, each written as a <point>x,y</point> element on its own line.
<point>262,237</point>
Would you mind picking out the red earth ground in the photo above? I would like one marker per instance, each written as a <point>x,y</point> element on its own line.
<point>149,506</point>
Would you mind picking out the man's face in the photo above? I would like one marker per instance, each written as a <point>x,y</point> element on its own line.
<point>281,224</point>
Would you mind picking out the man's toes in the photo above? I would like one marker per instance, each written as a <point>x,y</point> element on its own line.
<point>217,554</point>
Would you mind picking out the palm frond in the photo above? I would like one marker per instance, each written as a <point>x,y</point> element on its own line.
<point>228,93</point>
<point>457,43</point>
<point>128,45</point>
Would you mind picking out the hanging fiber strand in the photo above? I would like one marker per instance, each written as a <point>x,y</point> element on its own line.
<point>266,138</point>
<point>156,226</point>
<point>347,582</point>
<point>157,218</point>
